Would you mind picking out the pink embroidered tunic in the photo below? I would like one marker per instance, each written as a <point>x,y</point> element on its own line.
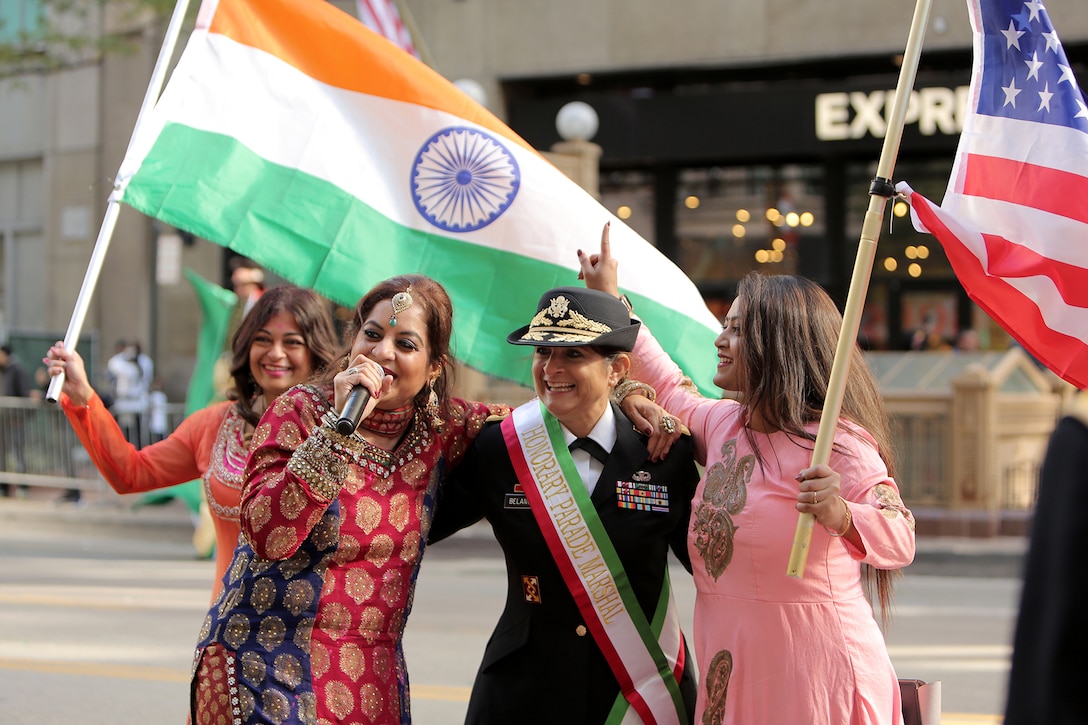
<point>772,648</point>
<point>209,444</point>
<point>308,628</point>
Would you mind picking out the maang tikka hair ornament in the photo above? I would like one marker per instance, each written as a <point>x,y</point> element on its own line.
<point>401,301</point>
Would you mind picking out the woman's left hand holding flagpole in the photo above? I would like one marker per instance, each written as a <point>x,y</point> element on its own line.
<point>881,190</point>
<point>113,207</point>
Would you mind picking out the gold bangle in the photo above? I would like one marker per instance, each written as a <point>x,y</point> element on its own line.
<point>846,526</point>
<point>627,387</point>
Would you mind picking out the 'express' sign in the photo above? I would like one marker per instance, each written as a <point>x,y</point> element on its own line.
<point>856,114</point>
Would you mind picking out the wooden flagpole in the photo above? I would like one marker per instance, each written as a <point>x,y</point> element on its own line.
<point>880,191</point>
<point>113,207</point>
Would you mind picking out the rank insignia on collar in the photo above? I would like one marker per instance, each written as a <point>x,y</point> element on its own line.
<point>530,585</point>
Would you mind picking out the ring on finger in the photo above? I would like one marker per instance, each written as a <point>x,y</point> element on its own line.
<point>352,371</point>
<point>814,499</point>
<point>668,424</point>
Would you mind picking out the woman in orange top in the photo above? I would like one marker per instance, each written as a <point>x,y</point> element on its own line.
<point>286,338</point>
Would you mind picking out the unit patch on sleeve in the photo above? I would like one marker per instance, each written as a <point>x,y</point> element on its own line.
<point>530,586</point>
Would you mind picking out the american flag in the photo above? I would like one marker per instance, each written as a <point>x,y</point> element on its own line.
<point>383,18</point>
<point>1014,220</point>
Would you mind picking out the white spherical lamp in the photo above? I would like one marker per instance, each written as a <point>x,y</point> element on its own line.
<point>472,89</point>
<point>576,121</point>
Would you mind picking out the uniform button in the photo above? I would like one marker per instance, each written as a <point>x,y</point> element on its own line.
<point>580,630</point>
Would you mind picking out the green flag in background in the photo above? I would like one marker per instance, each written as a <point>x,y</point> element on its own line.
<point>216,304</point>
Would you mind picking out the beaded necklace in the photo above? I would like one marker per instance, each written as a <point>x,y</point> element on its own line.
<point>389,422</point>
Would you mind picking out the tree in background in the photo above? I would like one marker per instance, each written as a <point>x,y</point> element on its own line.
<point>39,36</point>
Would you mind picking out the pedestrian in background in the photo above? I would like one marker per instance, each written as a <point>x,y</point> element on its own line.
<point>968,341</point>
<point>14,383</point>
<point>130,391</point>
<point>158,423</point>
<point>247,281</point>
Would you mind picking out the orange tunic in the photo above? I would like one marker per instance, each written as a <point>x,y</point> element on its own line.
<point>209,444</point>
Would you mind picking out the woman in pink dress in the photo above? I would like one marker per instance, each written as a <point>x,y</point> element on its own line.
<point>773,648</point>
<point>286,338</point>
<point>308,627</point>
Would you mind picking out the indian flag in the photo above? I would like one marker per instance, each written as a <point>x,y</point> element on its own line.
<point>294,135</point>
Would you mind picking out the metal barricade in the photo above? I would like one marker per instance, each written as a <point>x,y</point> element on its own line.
<point>39,448</point>
<point>919,439</point>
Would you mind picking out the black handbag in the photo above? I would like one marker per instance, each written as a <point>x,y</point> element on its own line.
<point>921,702</point>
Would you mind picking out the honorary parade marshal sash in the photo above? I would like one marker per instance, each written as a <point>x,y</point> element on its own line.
<point>635,648</point>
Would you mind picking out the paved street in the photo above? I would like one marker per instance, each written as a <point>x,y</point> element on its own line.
<point>99,610</point>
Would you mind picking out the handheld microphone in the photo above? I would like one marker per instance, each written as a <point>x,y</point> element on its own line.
<point>353,410</point>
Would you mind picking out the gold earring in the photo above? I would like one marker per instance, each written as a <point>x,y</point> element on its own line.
<point>433,409</point>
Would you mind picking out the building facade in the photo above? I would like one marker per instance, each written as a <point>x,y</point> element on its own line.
<point>734,136</point>
<point>740,136</point>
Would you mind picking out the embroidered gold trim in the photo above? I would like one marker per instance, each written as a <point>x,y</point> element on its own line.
<point>377,460</point>
<point>230,444</point>
<point>559,319</point>
<point>319,464</point>
<point>548,334</point>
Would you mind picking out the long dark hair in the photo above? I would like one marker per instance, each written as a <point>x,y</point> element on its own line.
<point>437,308</point>
<point>314,321</point>
<point>790,327</point>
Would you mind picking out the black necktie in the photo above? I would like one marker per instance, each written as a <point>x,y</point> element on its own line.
<point>591,447</point>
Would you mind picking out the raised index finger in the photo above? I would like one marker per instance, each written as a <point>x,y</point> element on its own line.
<point>606,245</point>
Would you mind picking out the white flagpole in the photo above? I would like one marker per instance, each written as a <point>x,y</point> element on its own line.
<point>880,191</point>
<point>113,208</point>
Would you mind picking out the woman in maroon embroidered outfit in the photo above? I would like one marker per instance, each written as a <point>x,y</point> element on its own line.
<point>308,628</point>
<point>286,338</point>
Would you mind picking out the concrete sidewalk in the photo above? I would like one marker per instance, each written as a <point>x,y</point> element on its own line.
<point>103,513</point>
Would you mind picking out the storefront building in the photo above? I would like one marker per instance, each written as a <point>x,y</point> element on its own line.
<point>745,138</point>
<point>735,136</point>
<point>728,174</point>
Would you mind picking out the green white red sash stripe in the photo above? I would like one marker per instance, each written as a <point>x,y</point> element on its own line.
<point>634,648</point>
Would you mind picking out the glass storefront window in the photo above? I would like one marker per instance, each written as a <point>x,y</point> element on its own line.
<point>630,196</point>
<point>914,298</point>
<point>731,220</point>
<point>902,253</point>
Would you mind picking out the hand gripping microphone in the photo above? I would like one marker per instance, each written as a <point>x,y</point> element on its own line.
<point>353,410</point>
